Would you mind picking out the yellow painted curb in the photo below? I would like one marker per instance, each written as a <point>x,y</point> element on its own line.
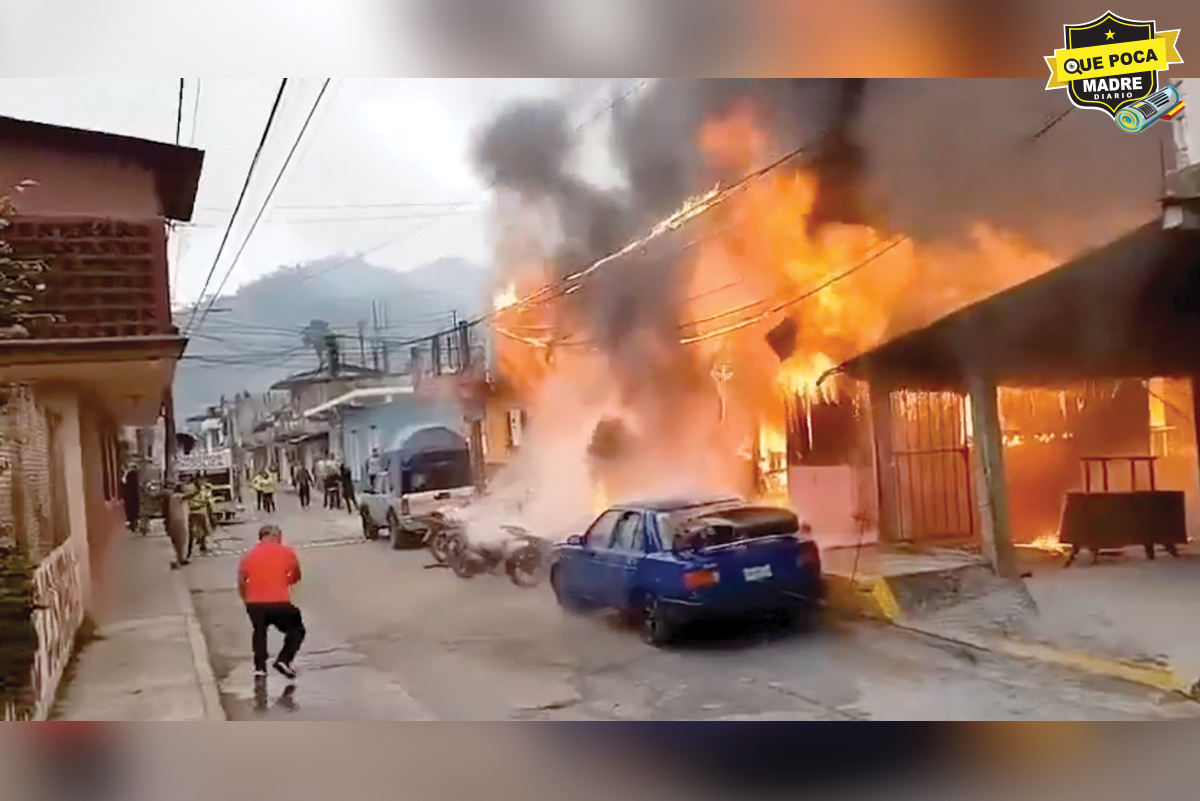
<point>1159,677</point>
<point>889,607</point>
<point>870,597</point>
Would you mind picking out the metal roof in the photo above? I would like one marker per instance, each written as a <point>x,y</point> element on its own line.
<point>1130,309</point>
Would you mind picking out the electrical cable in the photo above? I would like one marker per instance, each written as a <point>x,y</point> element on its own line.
<point>179,112</point>
<point>241,198</point>
<point>267,201</point>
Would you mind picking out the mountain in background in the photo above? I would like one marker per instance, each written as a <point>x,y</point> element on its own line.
<point>252,339</point>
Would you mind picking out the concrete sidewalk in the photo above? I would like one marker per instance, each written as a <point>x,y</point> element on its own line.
<point>149,660</point>
<point>1125,618</point>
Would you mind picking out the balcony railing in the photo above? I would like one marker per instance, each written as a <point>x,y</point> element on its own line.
<point>106,278</point>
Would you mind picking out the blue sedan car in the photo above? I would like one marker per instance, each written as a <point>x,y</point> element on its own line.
<point>667,563</point>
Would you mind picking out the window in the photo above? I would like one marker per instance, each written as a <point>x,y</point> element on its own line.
<point>599,535</point>
<point>628,534</point>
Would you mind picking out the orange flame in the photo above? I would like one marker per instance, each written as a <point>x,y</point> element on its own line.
<point>506,298</point>
<point>753,260</point>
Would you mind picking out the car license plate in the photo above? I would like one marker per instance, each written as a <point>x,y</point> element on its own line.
<point>761,573</point>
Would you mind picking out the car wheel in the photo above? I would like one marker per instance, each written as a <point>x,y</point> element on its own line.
<point>370,530</point>
<point>657,628</point>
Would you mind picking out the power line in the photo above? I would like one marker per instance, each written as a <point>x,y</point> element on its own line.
<point>195,113</point>
<point>241,198</point>
<point>870,258</point>
<point>405,234</point>
<point>369,206</point>
<point>179,112</point>
<point>377,218</point>
<point>267,201</point>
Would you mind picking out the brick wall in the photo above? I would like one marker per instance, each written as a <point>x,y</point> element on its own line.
<point>33,510</point>
<point>25,500</point>
<point>107,278</point>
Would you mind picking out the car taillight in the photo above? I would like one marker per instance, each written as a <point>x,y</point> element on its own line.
<point>808,555</point>
<point>700,579</point>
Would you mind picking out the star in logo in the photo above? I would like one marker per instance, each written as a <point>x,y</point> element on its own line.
<point>1108,34</point>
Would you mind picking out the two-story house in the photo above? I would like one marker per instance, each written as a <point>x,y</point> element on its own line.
<point>95,209</point>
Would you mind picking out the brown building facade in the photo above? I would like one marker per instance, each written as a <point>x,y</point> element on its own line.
<point>95,210</point>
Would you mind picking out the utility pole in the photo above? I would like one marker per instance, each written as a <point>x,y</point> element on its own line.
<point>387,362</point>
<point>375,341</point>
<point>335,362</point>
<point>362,342</point>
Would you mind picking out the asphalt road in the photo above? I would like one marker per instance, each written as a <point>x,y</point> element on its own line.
<point>391,638</point>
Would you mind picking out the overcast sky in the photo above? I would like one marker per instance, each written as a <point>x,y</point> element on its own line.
<point>382,161</point>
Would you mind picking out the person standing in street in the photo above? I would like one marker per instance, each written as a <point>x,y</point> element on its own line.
<point>304,483</point>
<point>347,481</point>
<point>333,486</point>
<point>200,505</point>
<point>269,484</point>
<point>374,468</point>
<point>256,484</point>
<point>131,490</point>
<point>265,580</point>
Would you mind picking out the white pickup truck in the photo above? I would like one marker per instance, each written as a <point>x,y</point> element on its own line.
<point>413,484</point>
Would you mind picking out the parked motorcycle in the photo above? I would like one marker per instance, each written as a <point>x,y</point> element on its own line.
<point>438,539</point>
<point>524,558</point>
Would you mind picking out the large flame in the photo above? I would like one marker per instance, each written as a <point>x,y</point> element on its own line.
<point>752,260</point>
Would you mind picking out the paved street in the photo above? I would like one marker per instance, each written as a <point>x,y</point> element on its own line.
<point>392,639</point>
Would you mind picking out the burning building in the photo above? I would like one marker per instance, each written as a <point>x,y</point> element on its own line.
<point>784,241</point>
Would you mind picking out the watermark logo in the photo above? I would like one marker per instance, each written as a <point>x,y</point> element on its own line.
<point>1111,64</point>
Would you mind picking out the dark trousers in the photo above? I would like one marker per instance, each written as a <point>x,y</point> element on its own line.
<point>260,497</point>
<point>305,495</point>
<point>269,502</point>
<point>286,618</point>
<point>351,506</point>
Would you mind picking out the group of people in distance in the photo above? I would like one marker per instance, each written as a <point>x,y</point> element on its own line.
<point>333,478</point>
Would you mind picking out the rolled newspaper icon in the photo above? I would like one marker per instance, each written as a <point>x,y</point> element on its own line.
<point>1140,115</point>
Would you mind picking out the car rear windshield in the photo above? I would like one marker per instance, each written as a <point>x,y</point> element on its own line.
<point>723,526</point>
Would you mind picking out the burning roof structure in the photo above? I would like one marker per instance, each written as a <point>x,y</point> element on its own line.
<point>770,261</point>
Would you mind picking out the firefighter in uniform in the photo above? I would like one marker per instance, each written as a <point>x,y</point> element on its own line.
<point>200,505</point>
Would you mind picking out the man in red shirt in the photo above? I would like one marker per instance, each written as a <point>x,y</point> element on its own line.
<point>265,579</point>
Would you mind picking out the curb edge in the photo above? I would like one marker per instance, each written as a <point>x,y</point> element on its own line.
<point>207,680</point>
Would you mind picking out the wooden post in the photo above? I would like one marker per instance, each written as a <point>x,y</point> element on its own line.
<point>990,481</point>
<point>885,463</point>
<point>1196,421</point>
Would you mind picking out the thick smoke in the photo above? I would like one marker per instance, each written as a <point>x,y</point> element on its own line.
<point>926,158</point>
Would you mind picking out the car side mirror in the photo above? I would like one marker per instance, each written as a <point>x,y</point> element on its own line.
<point>575,541</point>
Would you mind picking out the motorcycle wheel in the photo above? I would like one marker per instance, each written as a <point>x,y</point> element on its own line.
<point>526,567</point>
<point>458,557</point>
<point>439,544</point>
